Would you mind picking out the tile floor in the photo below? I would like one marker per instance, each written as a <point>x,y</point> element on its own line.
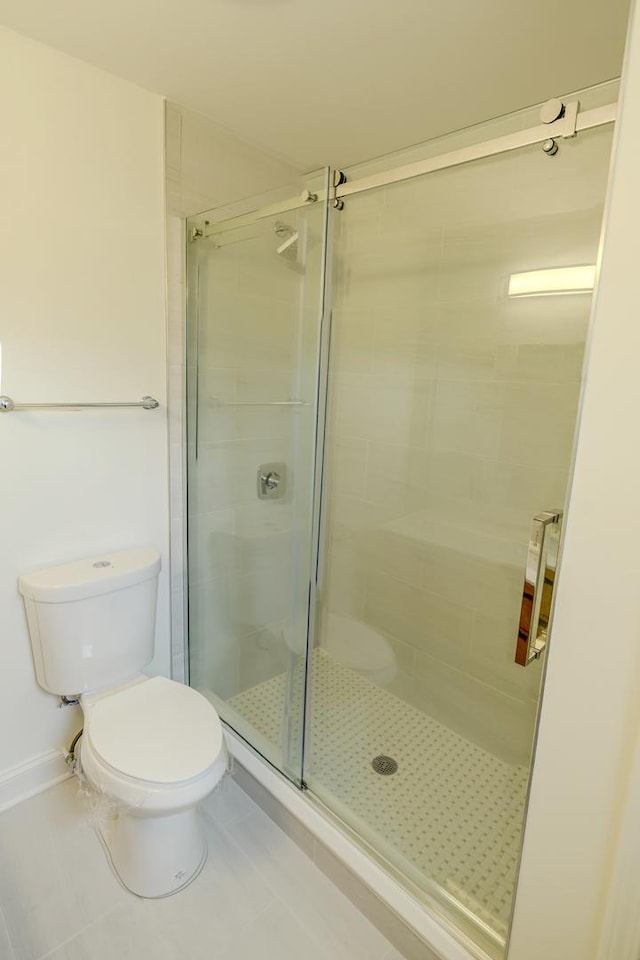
<point>258,898</point>
<point>452,813</point>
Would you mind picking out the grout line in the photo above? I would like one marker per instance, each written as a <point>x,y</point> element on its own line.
<point>243,855</point>
<point>229,953</point>
<point>313,862</point>
<point>102,916</point>
<point>215,821</point>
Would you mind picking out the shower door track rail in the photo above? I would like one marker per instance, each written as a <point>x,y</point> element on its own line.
<point>567,126</point>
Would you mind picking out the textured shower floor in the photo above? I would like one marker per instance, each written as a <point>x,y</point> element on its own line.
<point>451,814</point>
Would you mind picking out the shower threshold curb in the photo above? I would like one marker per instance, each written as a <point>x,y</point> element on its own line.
<point>420,925</point>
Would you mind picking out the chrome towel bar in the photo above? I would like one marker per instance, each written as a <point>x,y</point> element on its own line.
<point>7,405</point>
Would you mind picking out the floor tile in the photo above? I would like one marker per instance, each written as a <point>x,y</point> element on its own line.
<point>275,935</point>
<point>227,896</point>
<point>228,802</point>
<point>328,916</point>
<point>126,933</point>
<point>55,878</point>
<point>258,897</point>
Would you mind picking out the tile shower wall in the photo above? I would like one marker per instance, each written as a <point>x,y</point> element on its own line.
<point>252,347</point>
<point>205,167</point>
<point>452,410</point>
<point>242,550</point>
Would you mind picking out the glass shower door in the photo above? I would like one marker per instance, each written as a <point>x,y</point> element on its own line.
<point>255,301</point>
<point>457,351</point>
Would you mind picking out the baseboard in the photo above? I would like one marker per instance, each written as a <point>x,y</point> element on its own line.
<point>30,777</point>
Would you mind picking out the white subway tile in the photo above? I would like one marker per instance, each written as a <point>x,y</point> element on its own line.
<point>421,620</point>
<point>493,658</point>
<point>500,724</point>
<point>391,411</point>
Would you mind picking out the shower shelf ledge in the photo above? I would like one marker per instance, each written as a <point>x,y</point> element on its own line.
<point>218,402</point>
<point>486,541</point>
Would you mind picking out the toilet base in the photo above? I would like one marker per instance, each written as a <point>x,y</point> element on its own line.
<point>155,856</point>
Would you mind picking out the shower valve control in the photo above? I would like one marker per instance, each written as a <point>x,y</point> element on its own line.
<point>272,481</point>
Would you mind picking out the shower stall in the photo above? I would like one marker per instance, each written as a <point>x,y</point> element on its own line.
<point>383,379</point>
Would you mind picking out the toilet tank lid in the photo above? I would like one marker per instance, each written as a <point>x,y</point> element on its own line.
<point>91,577</point>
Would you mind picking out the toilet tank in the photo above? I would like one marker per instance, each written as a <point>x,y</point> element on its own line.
<point>92,622</point>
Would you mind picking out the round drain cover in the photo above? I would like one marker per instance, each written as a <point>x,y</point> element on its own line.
<point>384,765</point>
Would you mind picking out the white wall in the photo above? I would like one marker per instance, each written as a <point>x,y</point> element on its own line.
<point>208,167</point>
<point>591,706</point>
<point>82,317</point>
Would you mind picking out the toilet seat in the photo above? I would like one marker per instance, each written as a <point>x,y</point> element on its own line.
<point>154,745</point>
<point>157,731</point>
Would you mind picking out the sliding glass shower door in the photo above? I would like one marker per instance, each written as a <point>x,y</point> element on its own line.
<point>458,337</point>
<point>255,299</point>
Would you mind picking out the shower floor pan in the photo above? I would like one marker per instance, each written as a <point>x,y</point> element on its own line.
<point>452,813</point>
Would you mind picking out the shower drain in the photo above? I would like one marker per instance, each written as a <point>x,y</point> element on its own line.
<point>384,765</point>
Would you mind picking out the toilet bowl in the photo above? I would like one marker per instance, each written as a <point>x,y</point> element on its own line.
<point>155,747</point>
<point>151,747</point>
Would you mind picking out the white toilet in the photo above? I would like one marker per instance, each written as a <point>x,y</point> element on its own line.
<point>152,745</point>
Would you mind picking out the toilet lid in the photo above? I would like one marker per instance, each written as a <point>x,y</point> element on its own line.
<point>157,730</point>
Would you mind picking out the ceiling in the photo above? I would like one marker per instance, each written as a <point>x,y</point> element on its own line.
<point>338,82</point>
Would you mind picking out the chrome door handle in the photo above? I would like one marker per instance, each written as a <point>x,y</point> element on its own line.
<point>537,593</point>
